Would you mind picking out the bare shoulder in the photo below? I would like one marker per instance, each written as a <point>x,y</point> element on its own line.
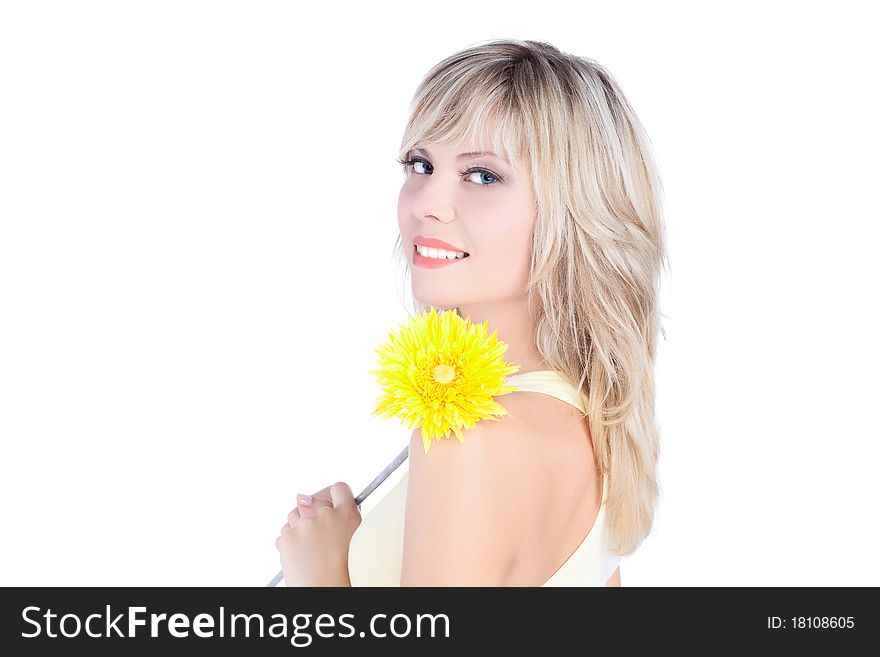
<point>462,522</point>
<point>466,500</point>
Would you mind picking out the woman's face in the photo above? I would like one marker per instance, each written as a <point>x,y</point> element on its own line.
<point>478,204</point>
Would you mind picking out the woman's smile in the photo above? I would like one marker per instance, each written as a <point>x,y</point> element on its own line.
<point>432,258</point>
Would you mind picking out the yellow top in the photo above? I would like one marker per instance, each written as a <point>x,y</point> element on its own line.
<point>376,551</point>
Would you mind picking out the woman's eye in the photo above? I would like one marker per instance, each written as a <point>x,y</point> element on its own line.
<point>426,168</point>
<point>483,174</point>
<point>411,163</point>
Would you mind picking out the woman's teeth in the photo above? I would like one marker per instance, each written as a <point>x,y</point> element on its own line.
<point>440,254</point>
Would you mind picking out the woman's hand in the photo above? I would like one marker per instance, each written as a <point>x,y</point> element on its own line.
<point>314,541</point>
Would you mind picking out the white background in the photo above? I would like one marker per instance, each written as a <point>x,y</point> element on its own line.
<point>197,216</point>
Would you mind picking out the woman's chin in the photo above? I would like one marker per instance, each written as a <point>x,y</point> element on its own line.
<point>439,302</point>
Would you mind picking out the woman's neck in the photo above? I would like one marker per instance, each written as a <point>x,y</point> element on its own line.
<point>510,318</point>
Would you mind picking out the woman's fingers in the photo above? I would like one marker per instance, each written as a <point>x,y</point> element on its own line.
<point>293,517</point>
<point>323,494</point>
<point>308,505</point>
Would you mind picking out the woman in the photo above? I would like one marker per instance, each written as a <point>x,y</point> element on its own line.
<point>531,202</point>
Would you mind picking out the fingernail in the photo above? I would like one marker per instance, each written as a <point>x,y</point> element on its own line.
<point>304,499</point>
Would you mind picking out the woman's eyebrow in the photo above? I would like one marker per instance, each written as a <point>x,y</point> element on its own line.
<point>468,155</point>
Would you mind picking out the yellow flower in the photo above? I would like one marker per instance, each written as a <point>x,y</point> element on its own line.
<point>441,372</point>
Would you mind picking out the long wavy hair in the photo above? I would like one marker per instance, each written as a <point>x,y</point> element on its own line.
<point>599,241</point>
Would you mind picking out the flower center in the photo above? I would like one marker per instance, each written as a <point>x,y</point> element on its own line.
<point>444,373</point>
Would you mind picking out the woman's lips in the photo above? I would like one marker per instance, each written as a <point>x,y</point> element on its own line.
<point>434,242</point>
<point>432,263</point>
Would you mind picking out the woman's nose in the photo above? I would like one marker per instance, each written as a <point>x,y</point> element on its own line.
<point>433,203</point>
<point>430,217</point>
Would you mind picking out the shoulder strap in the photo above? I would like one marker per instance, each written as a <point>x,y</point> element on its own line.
<point>549,382</point>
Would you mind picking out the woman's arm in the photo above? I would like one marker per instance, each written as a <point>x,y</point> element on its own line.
<point>462,527</point>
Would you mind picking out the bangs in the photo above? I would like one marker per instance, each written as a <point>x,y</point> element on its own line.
<point>487,121</point>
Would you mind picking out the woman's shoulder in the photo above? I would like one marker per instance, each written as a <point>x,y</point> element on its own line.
<point>473,504</point>
<point>537,431</point>
<point>554,434</point>
<point>461,524</point>
<point>566,488</point>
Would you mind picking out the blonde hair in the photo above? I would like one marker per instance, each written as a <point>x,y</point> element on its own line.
<point>599,241</point>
